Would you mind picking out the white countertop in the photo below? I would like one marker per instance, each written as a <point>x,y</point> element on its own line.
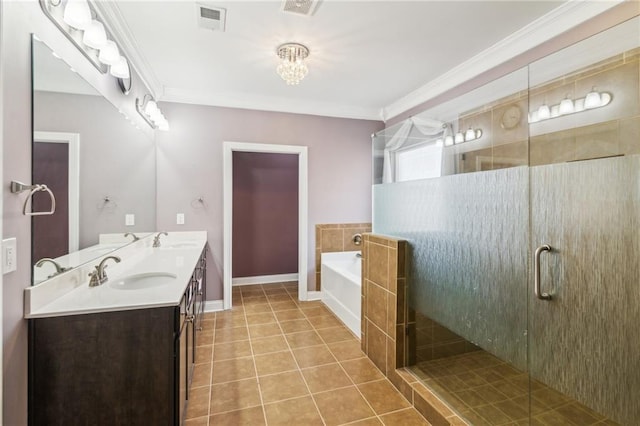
<point>69,293</point>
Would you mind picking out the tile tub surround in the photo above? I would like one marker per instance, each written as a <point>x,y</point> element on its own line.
<point>332,237</point>
<point>386,318</point>
<point>69,293</point>
<point>273,360</point>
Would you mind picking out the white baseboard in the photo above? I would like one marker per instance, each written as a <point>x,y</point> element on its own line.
<point>264,279</point>
<point>213,306</point>
<point>314,295</point>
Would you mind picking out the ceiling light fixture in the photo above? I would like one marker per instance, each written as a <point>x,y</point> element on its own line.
<point>292,68</point>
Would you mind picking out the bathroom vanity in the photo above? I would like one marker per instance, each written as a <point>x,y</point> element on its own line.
<point>121,353</point>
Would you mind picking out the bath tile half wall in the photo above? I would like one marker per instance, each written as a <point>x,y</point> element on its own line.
<point>333,237</point>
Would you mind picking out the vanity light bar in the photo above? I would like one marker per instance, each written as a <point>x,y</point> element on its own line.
<point>460,137</point>
<point>149,111</point>
<point>592,100</point>
<point>75,18</point>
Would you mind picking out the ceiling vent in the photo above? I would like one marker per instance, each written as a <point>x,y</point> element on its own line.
<point>300,7</point>
<point>211,18</point>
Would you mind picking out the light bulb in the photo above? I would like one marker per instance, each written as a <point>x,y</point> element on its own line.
<point>566,106</point>
<point>109,54</point>
<point>459,138</point>
<point>592,100</point>
<point>77,14</point>
<point>120,69</point>
<point>469,135</point>
<point>164,126</point>
<point>544,112</point>
<point>448,140</point>
<point>150,108</point>
<point>95,36</point>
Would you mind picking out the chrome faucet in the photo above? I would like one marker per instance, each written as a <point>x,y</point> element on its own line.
<point>99,276</point>
<point>156,239</point>
<point>357,239</point>
<point>135,237</point>
<point>59,268</point>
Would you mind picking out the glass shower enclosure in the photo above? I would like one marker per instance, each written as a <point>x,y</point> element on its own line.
<point>524,287</point>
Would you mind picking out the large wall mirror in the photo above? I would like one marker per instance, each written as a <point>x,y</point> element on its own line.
<point>101,168</point>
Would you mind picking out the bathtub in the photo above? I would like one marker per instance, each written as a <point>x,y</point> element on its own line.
<point>341,282</point>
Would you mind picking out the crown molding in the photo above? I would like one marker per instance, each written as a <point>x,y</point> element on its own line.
<point>112,18</point>
<point>550,25</point>
<point>270,103</point>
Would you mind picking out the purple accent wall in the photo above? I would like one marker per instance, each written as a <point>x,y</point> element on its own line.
<point>265,214</point>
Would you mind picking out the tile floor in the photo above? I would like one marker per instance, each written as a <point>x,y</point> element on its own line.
<point>273,360</point>
<point>488,391</point>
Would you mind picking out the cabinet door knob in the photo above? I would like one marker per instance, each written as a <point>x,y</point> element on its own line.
<point>190,318</point>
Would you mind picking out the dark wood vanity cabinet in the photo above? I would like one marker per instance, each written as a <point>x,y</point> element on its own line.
<point>114,368</point>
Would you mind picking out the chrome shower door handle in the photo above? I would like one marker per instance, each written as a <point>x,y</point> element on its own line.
<point>536,273</point>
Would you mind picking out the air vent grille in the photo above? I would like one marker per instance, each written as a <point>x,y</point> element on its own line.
<point>211,18</point>
<point>300,7</point>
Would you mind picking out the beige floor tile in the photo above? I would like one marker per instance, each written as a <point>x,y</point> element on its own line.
<point>316,310</point>
<point>313,356</point>
<point>279,298</point>
<point>232,334</point>
<point>233,369</point>
<point>295,326</point>
<point>299,411</point>
<point>283,305</point>
<point>289,314</point>
<point>372,421</point>
<point>201,375</point>
<point>208,324</point>
<point>343,351</point>
<point>326,377</point>
<point>281,386</point>
<point>204,354</point>
<point>303,339</point>
<point>200,421</point>
<point>264,330</point>
<point>253,416</point>
<point>383,396</point>
<point>260,318</point>
<point>234,396</point>
<point>342,406</point>
<point>408,417</point>
<point>222,351</point>
<point>336,334</point>
<point>362,370</point>
<point>276,362</point>
<point>198,403</point>
<point>205,338</point>
<point>257,308</point>
<point>324,321</point>
<point>269,344</point>
<point>230,319</point>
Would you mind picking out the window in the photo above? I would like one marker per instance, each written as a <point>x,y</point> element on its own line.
<point>419,162</point>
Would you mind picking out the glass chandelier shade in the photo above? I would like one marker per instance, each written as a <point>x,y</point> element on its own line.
<point>292,68</point>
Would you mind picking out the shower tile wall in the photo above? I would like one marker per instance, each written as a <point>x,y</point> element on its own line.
<point>333,237</point>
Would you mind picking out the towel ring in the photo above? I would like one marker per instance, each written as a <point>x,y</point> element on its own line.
<point>18,187</point>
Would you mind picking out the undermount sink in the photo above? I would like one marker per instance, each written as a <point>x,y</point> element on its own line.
<point>142,281</point>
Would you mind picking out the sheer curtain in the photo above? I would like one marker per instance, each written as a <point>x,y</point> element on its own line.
<point>400,139</point>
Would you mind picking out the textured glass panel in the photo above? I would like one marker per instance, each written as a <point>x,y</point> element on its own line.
<point>468,236</point>
<point>585,341</point>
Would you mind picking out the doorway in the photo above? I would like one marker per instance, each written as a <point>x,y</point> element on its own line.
<point>302,232</point>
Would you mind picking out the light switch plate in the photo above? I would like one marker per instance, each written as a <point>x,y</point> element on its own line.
<point>129,219</point>
<point>180,219</point>
<point>9,255</point>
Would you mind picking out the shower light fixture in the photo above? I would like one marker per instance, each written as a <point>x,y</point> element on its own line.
<point>292,68</point>
<point>592,100</point>
<point>95,36</point>
<point>77,14</point>
<point>148,109</point>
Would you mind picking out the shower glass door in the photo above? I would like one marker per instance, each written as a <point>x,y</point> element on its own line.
<point>584,324</point>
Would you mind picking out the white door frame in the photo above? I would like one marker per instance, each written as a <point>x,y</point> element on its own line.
<point>227,160</point>
<point>73,140</point>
